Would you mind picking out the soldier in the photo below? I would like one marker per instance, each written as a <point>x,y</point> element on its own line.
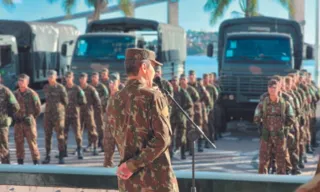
<point>25,120</point>
<point>144,123</point>
<point>196,105</point>
<point>205,101</point>
<point>178,120</point>
<point>87,111</point>
<point>99,110</point>
<point>213,91</point>
<point>77,99</point>
<point>275,113</point>
<point>116,77</point>
<point>8,107</point>
<point>105,77</point>
<point>54,116</point>
<point>109,142</point>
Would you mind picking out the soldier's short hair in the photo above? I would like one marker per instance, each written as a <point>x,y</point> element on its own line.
<point>52,73</point>
<point>82,75</point>
<point>183,76</point>
<point>105,70</point>
<point>288,79</point>
<point>192,72</point>
<point>69,74</point>
<point>94,74</point>
<point>115,75</point>
<point>272,83</point>
<point>205,75</point>
<point>276,77</point>
<point>174,78</point>
<point>199,79</point>
<point>24,76</point>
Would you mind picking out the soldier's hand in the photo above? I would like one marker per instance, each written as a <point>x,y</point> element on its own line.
<point>123,172</point>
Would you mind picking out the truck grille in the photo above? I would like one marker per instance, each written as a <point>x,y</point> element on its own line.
<point>250,86</point>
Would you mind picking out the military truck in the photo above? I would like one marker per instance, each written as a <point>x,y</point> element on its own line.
<point>33,48</point>
<point>250,51</point>
<point>105,41</point>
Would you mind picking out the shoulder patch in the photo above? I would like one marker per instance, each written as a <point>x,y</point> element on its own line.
<point>12,99</point>
<point>81,92</point>
<point>165,111</point>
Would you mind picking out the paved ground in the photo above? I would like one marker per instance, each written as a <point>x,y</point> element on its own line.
<point>237,152</point>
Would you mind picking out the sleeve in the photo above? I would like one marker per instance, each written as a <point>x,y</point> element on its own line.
<point>188,101</point>
<point>289,115</point>
<point>82,100</point>
<point>104,98</point>
<point>13,104</point>
<point>258,113</point>
<point>96,99</point>
<point>64,96</point>
<point>161,136</point>
<point>36,104</point>
<point>206,97</point>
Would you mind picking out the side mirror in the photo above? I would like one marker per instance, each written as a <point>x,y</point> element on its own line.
<point>309,52</point>
<point>64,50</point>
<point>210,50</point>
<point>71,42</point>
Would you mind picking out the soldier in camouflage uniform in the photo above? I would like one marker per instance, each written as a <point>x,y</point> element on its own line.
<point>196,104</point>
<point>8,107</point>
<point>109,141</point>
<point>116,77</point>
<point>25,120</point>
<point>54,116</point>
<point>105,78</point>
<point>77,99</point>
<point>213,91</point>
<point>99,110</point>
<point>142,129</point>
<point>178,120</point>
<point>165,84</point>
<point>87,111</point>
<point>275,113</point>
<point>205,101</point>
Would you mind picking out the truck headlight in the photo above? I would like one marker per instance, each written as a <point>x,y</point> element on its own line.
<point>231,97</point>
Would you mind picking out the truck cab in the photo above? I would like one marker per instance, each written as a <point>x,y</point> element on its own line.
<point>250,51</point>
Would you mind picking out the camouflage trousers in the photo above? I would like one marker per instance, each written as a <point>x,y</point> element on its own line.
<point>189,128</point>
<point>313,128</point>
<point>303,140</point>
<point>98,117</point>
<point>197,118</point>
<point>21,131</point>
<point>87,121</point>
<point>293,149</point>
<point>211,127</point>
<point>266,148</point>
<point>56,124</point>
<point>4,145</point>
<point>75,124</point>
<point>205,126</point>
<point>307,130</point>
<point>109,145</point>
<point>179,134</point>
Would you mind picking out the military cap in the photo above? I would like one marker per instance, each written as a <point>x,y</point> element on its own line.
<point>136,54</point>
<point>157,68</point>
<point>192,72</point>
<point>83,75</point>
<point>24,76</point>
<point>272,83</point>
<point>69,74</point>
<point>51,73</point>
<point>94,74</point>
<point>182,76</point>
<point>205,75</point>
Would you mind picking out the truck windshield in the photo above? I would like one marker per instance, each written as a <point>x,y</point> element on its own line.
<point>258,50</point>
<point>103,47</point>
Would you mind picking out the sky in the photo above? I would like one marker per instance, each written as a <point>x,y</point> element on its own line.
<point>191,13</point>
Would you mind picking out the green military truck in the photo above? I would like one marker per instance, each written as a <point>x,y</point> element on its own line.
<point>105,41</point>
<point>33,48</point>
<point>250,51</point>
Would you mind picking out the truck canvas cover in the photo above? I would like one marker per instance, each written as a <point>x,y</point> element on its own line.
<point>263,24</point>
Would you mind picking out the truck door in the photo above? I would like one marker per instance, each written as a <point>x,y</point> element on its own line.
<point>8,60</point>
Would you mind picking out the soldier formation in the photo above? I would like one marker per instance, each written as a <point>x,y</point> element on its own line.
<point>286,115</point>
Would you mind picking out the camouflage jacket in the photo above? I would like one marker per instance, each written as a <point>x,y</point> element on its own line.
<point>56,100</point>
<point>203,93</point>
<point>296,102</point>
<point>213,91</point>
<point>143,134</point>
<point>274,115</point>
<point>103,94</point>
<point>8,106</point>
<point>93,100</point>
<point>184,100</point>
<point>77,98</point>
<point>30,104</point>
<point>106,84</point>
<point>195,99</point>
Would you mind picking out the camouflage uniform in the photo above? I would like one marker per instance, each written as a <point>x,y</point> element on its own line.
<point>142,132</point>
<point>99,111</point>
<point>272,115</point>
<point>87,114</point>
<point>76,99</point>
<point>54,117</point>
<point>8,107</point>
<point>179,121</point>
<point>25,124</point>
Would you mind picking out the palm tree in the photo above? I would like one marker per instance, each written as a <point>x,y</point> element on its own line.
<point>8,4</point>
<point>249,7</point>
<point>99,5</point>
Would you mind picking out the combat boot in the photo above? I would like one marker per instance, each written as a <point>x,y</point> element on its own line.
<point>308,149</point>
<point>65,151</point>
<point>207,146</point>
<point>200,149</point>
<point>46,160</point>
<point>301,164</point>
<point>296,171</point>
<point>95,152</point>
<point>80,153</point>
<point>183,152</point>
<point>88,148</point>
<point>20,161</point>
<point>61,157</point>
<point>35,162</point>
